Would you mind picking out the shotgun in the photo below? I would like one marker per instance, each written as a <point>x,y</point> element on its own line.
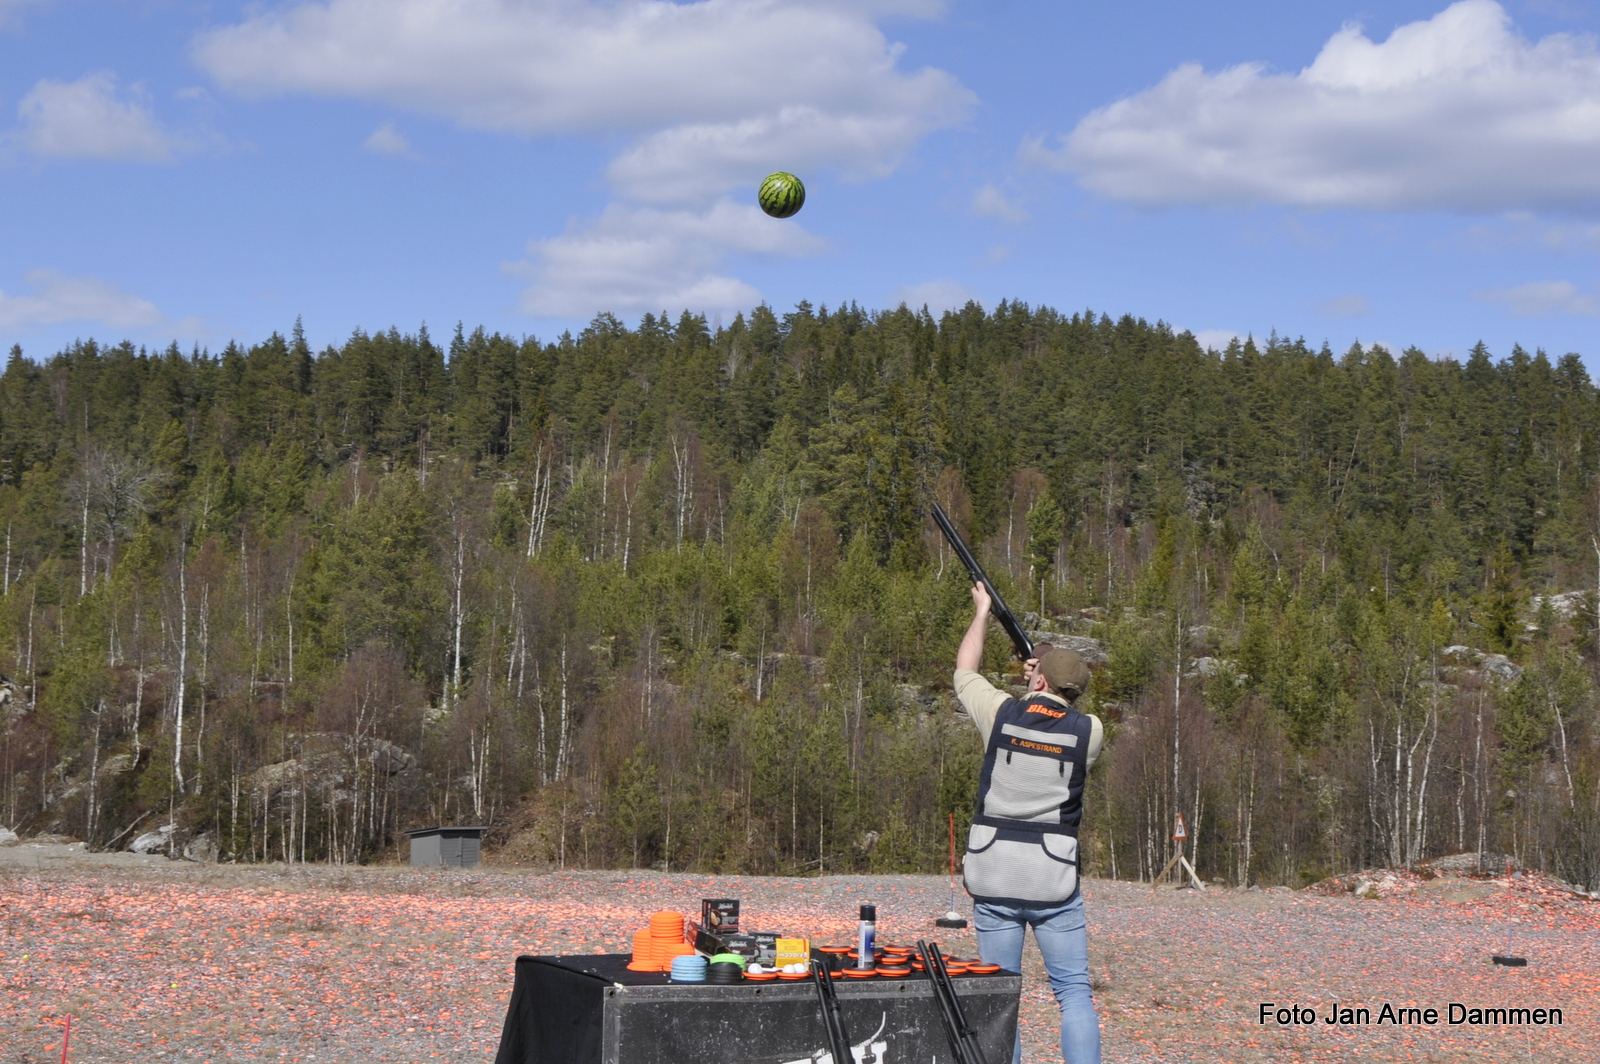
<point>1002,613</point>
<point>832,1017</point>
<point>963,1039</point>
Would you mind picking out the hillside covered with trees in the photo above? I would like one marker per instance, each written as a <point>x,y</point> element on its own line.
<point>666,595</point>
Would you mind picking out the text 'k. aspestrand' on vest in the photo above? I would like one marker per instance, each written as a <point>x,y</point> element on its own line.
<point>1023,845</point>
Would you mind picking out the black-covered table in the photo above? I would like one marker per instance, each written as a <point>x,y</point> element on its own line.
<point>592,1010</point>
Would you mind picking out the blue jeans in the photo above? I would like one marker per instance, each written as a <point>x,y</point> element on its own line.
<point>1063,939</point>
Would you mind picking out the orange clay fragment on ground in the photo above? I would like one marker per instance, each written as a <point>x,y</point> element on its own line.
<point>389,964</point>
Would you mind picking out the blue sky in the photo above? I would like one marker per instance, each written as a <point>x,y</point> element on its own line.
<point>1403,173</point>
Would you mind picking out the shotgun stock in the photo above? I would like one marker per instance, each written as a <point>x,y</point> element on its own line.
<point>1020,641</point>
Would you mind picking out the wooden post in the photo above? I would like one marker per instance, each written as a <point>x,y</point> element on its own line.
<point>1180,832</point>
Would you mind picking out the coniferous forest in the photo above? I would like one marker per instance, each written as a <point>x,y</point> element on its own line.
<point>666,596</point>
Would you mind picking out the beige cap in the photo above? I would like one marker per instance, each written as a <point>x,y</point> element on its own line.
<point>1065,670</point>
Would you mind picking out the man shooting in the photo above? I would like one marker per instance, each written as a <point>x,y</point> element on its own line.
<point>1021,865</point>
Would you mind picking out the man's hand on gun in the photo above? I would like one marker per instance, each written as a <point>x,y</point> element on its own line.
<point>982,604</point>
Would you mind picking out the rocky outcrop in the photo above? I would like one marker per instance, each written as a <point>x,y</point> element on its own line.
<point>1473,863</point>
<point>325,758</point>
<point>1473,661</point>
<point>1207,667</point>
<point>1501,667</point>
<point>117,764</point>
<point>1093,651</point>
<point>1566,604</point>
<point>915,697</point>
<point>202,847</point>
<point>157,841</point>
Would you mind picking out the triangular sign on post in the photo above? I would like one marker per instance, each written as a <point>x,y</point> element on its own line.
<point>1180,832</point>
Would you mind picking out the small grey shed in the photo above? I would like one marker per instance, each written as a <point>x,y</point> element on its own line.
<point>456,847</point>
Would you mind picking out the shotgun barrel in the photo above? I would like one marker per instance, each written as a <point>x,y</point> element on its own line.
<point>963,1039</point>
<point>1020,641</point>
<point>832,1018</point>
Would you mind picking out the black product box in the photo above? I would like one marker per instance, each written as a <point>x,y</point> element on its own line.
<point>766,945</point>
<point>719,915</point>
<point>742,944</point>
<point>759,946</point>
<point>704,941</point>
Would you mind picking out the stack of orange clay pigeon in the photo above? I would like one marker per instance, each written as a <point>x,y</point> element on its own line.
<point>654,947</point>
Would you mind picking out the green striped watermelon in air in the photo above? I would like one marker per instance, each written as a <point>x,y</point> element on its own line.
<point>782,195</point>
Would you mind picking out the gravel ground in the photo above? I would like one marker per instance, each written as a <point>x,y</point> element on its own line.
<point>159,960</point>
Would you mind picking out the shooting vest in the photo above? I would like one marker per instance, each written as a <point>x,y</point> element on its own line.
<point>1023,845</point>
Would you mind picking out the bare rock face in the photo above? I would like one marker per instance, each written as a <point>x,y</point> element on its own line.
<point>1209,667</point>
<point>1380,886</point>
<point>1567,603</point>
<point>1092,650</point>
<point>1497,666</point>
<point>8,837</point>
<point>917,697</point>
<point>157,841</point>
<point>117,764</point>
<point>1472,863</point>
<point>1501,667</point>
<point>202,847</point>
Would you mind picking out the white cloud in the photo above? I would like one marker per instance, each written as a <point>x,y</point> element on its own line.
<point>1523,228</point>
<point>9,8</point>
<point>689,163</point>
<point>387,140</point>
<point>1216,339</point>
<point>1557,9</point>
<point>995,254</point>
<point>706,98</point>
<point>644,259</point>
<point>1456,112</point>
<point>193,327</point>
<point>1569,236</point>
<point>57,299</point>
<point>937,296</point>
<point>85,119</point>
<point>1544,298</point>
<point>912,8</point>
<point>990,202</point>
<point>721,91</point>
<point>1354,305</point>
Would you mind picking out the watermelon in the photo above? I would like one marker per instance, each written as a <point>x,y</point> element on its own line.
<point>782,195</point>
